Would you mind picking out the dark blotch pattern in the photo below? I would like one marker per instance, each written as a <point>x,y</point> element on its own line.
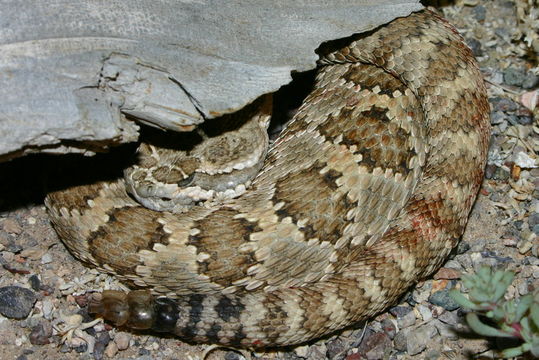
<point>115,241</point>
<point>227,309</point>
<point>326,214</point>
<point>225,265</point>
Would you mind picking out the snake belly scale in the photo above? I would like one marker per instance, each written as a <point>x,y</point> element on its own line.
<point>365,192</point>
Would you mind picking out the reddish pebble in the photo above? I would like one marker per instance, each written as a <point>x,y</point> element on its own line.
<point>447,273</point>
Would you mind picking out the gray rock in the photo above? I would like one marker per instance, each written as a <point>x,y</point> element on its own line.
<point>375,346</point>
<point>479,244</point>
<point>475,45</point>
<point>524,119</point>
<point>497,117</point>
<point>426,313</point>
<point>446,331</point>
<point>501,174</point>
<point>531,81</point>
<point>502,33</point>
<point>406,320</point>
<point>77,68</point>
<point>16,302</point>
<point>450,317</point>
<point>389,327</point>
<point>503,104</point>
<point>443,299</point>
<point>35,282</point>
<point>419,338</point>
<point>479,12</point>
<point>533,219</point>
<point>400,311</point>
<point>400,340</point>
<point>41,333</point>
<point>100,344</point>
<point>514,77</point>
<point>463,247</point>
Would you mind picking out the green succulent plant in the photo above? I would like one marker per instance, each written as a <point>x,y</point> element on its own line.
<point>517,318</point>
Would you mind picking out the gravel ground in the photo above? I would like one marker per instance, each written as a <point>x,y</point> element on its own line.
<point>43,289</point>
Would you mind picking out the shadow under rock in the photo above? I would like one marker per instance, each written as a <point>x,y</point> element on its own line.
<point>26,181</point>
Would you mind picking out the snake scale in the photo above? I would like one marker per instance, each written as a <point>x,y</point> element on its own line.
<point>365,192</point>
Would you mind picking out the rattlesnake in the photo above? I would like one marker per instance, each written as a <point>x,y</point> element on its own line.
<point>365,192</point>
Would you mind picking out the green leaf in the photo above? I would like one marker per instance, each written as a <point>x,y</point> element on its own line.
<point>523,306</point>
<point>478,295</point>
<point>462,300</point>
<point>502,284</point>
<point>483,329</point>
<point>534,313</point>
<point>497,276</point>
<point>513,352</point>
<point>535,350</point>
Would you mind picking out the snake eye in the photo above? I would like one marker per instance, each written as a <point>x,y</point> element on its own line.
<point>187,181</point>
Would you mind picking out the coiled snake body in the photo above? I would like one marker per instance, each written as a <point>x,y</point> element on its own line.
<point>365,192</point>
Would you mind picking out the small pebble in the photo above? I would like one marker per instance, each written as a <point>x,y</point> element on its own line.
<point>41,333</point>
<point>463,247</point>
<point>47,308</point>
<point>510,242</point>
<point>389,327</point>
<point>11,226</point>
<point>122,340</point>
<point>374,346</point>
<point>100,344</point>
<point>80,346</point>
<point>419,338</point>
<point>447,273</point>
<point>400,339</point>
<point>434,355</point>
<point>450,317</point>
<point>406,320</point>
<point>496,77</point>
<point>16,302</point>
<point>501,174</point>
<point>336,348</point>
<point>524,247</point>
<point>6,257</point>
<point>425,312</point>
<point>143,351</point>
<point>514,77</point>
<point>502,33</point>
<point>35,283</point>
<point>46,259</point>
<point>354,356</point>
<point>531,81</point>
<point>447,331</point>
<point>503,104</point>
<point>111,349</point>
<point>479,13</point>
<point>497,117</point>
<point>533,219</point>
<point>523,288</point>
<point>475,46</point>
<point>400,311</point>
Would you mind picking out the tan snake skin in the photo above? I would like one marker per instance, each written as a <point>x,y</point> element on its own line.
<point>364,193</point>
